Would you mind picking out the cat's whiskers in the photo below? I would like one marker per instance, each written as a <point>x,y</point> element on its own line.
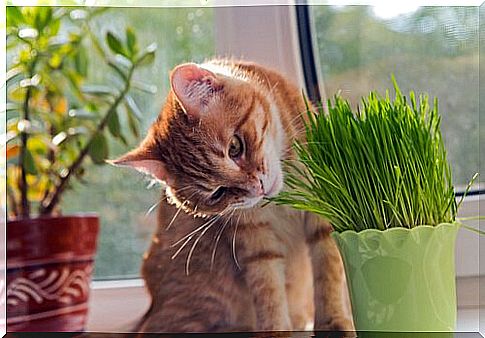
<point>191,251</point>
<point>295,132</point>
<point>194,245</point>
<point>175,216</point>
<point>294,118</point>
<point>211,219</point>
<point>189,236</point>
<point>181,247</point>
<point>268,82</point>
<point>149,211</point>
<point>164,198</point>
<point>291,124</point>
<point>219,234</point>
<point>288,151</point>
<point>179,208</point>
<point>234,255</point>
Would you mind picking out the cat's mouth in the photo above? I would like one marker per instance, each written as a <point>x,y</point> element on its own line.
<point>273,190</point>
<point>248,203</point>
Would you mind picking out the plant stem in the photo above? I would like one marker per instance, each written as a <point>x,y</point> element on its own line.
<point>48,207</point>
<point>24,201</point>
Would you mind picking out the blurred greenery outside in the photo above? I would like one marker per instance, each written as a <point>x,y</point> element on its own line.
<point>433,50</point>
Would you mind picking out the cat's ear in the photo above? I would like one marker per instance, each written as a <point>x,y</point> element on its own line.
<point>142,160</point>
<point>194,87</point>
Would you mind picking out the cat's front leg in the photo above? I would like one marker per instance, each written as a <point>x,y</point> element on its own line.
<point>332,306</point>
<point>262,260</point>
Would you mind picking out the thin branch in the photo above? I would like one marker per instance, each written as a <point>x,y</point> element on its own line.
<point>24,201</point>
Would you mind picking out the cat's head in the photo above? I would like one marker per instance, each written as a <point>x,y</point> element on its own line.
<point>217,144</point>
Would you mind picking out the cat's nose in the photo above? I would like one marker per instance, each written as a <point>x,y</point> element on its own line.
<point>260,188</point>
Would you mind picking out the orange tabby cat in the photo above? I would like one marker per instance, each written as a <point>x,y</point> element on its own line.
<point>226,263</point>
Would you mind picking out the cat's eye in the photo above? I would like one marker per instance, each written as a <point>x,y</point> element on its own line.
<point>218,193</point>
<point>236,147</point>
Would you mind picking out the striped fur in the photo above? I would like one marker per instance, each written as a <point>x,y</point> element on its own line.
<point>242,266</point>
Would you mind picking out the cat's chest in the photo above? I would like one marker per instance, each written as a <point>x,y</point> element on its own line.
<point>286,223</point>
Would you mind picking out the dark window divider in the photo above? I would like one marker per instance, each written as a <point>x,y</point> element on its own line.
<point>307,53</point>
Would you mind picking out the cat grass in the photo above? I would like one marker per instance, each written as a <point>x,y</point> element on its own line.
<point>379,167</point>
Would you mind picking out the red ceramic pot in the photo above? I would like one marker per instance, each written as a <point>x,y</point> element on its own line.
<point>49,267</point>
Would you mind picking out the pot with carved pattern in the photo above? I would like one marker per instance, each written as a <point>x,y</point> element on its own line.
<point>49,267</point>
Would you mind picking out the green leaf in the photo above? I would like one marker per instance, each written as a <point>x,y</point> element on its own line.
<point>81,61</point>
<point>115,44</point>
<point>98,90</point>
<point>131,41</point>
<point>14,16</point>
<point>43,17</point>
<point>98,149</point>
<point>123,62</point>
<point>55,60</point>
<point>54,26</point>
<point>75,80</point>
<point>81,130</point>
<point>14,75</point>
<point>146,59</point>
<point>78,14</point>
<point>10,107</point>
<point>133,107</point>
<point>144,87</point>
<point>132,122</point>
<point>114,124</point>
<point>148,56</point>
<point>29,163</point>
<point>82,114</point>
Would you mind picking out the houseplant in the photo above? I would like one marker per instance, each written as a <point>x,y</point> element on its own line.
<point>381,177</point>
<point>55,122</point>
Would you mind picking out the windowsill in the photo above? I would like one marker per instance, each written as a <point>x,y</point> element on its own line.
<point>115,306</point>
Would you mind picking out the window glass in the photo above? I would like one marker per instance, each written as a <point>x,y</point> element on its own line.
<point>122,197</point>
<point>428,49</point>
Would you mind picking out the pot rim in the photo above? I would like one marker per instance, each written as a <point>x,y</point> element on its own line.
<point>76,215</point>
<point>364,232</point>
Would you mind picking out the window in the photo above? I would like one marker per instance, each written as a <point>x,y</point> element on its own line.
<point>428,49</point>
<point>121,197</point>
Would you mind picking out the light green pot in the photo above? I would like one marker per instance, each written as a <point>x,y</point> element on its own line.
<point>401,279</point>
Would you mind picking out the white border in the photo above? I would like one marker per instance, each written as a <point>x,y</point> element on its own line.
<point>236,3</point>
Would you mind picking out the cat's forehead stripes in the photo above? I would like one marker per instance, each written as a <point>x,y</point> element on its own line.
<point>256,128</point>
<point>188,154</point>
